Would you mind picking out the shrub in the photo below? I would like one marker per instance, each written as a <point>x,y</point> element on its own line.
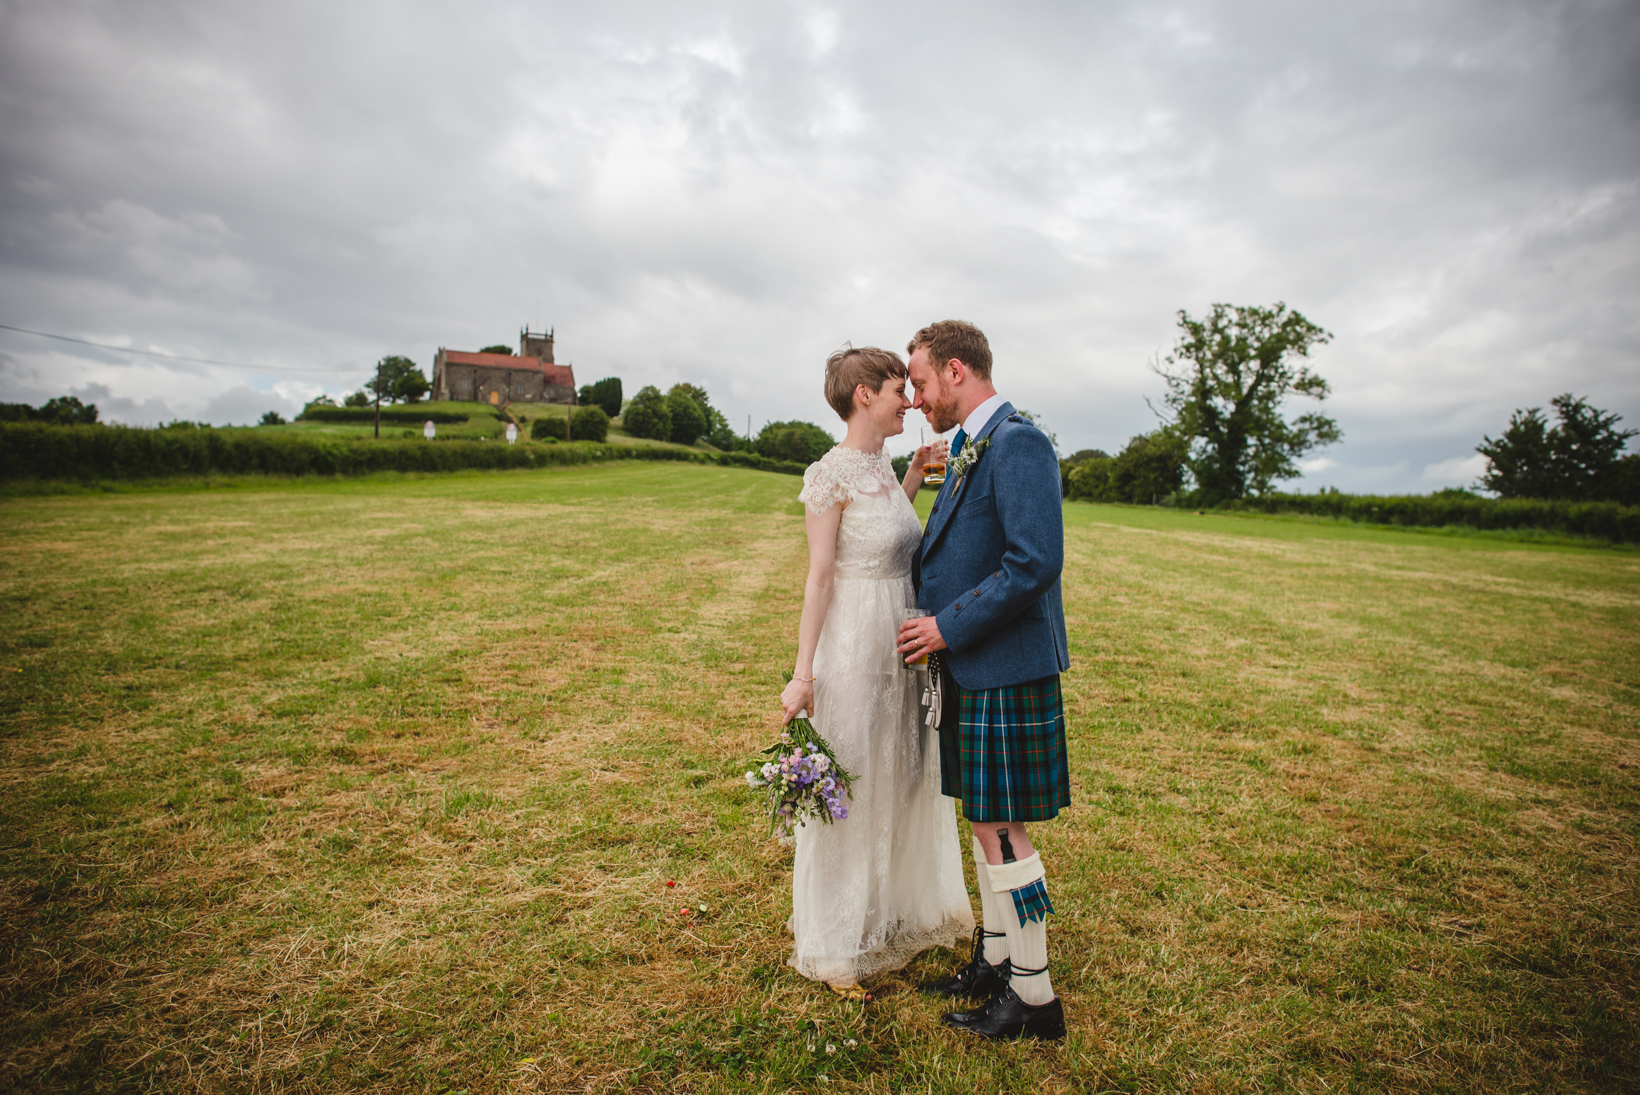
<point>35,450</point>
<point>799,442</point>
<point>688,420</point>
<point>591,424</point>
<point>272,418</point>
<point>1607,520</point>
<point>648,415</point>
<point>357,399</point>
<point>549,427</point>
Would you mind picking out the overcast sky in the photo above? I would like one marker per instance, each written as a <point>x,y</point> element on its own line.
<point>724,193</point>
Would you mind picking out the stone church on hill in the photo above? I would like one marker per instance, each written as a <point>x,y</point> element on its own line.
<point>530,377</point>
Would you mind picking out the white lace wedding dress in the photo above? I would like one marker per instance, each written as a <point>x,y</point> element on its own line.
<point>873,890</point>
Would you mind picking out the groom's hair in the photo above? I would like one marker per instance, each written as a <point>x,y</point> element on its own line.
<point>953,338</point>
<point>852,366</point>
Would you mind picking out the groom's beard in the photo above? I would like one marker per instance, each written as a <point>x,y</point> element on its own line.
<point>942,411</point>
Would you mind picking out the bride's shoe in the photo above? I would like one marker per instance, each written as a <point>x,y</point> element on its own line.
<point>978,979</point>
<point>848,992</point>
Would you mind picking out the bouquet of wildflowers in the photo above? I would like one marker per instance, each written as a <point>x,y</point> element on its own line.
<point>803,781</point>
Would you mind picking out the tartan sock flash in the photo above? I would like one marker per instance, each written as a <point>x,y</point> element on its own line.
<point>1027,882</point>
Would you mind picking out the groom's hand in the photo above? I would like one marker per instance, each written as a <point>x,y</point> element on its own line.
<point>919,637</point>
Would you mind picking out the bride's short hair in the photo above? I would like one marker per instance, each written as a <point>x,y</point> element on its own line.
<point>855,365</point>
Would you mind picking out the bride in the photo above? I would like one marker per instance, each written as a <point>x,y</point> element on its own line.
<point>871,891</point>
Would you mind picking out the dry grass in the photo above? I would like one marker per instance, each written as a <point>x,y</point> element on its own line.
<point>376,785</point>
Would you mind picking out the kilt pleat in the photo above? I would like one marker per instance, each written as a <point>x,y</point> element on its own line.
<point>1005,758</point>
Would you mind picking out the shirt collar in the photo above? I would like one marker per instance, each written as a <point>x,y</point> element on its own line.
<point>980,415</point>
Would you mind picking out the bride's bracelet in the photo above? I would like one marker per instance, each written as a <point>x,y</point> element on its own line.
<point>805,680</point>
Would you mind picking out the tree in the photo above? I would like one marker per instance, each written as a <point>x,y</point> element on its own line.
<point>1150,468</point>
<point>688,416</point>
<point>648,415</point>
<point>1579,458</point>
<point>357,399</point>
<point>803,442</point>
<point>590,424</point>
<point>272,418</point>
<point>1227,378</point>
<point>606,393</point>
<point>497,349</point>
<point>1080,482</point>
<point>402,381</point>
<point>67,410</point>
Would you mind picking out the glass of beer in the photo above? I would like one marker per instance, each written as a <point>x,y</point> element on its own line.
<point>934,470</point>
<point>921,662</point>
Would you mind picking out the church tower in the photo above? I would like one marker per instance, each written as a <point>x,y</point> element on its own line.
<point>535,345</point>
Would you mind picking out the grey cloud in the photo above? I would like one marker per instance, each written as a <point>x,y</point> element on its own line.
<point>244,406</point>
<point>726,192</point>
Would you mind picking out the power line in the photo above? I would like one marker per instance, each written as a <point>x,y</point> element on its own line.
<point>175,357</point>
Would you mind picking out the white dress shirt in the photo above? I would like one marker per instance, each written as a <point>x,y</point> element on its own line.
<point>980,415</point>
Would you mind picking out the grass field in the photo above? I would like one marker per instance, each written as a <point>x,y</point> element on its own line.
<point>376,785</point>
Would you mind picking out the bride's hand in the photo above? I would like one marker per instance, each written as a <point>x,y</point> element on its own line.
<point>798,696</point>
<point>923,455</point>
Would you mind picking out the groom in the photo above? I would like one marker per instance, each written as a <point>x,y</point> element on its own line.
<point>989,571</point>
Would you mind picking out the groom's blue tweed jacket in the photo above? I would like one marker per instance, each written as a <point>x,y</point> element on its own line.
<point>990,560</point>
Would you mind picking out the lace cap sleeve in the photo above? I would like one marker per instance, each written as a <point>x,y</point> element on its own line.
<point>823,486</point>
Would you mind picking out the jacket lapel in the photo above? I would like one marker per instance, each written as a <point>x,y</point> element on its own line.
<point>951,490</point>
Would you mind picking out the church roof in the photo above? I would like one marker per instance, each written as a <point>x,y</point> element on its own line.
<point>553,374</point>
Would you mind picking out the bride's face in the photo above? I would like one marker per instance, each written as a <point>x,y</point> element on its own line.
<point>888,406</point>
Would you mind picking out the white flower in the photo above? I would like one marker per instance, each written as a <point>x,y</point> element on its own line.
<point>850,1043</point>
<point>968,457</point>
<point>830,1048</point>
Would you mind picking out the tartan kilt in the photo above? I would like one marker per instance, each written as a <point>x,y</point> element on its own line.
<point>1004,753</point>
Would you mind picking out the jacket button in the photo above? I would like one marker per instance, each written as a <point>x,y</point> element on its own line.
<point>976,593</point>
<point>959,606</point>
<point>998,574</point>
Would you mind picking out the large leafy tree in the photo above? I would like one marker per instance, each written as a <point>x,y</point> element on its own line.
<point>648,415</point>
<point>1580,457</point>
<point>688,405</point>
<point>803,442</point>
<point>401,379</point>
<point>67,410</point>
<point>718,432</point>
<point>1227,379</point>
<point>1149,469</point>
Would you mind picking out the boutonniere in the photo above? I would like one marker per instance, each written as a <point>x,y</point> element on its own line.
<point>967,458</point>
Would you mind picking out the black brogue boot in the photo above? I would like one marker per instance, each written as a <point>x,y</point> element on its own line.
<point>1008,1017</point>
<point>977,980</point>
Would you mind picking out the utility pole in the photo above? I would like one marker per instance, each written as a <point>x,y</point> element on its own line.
<point>378,401</point>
